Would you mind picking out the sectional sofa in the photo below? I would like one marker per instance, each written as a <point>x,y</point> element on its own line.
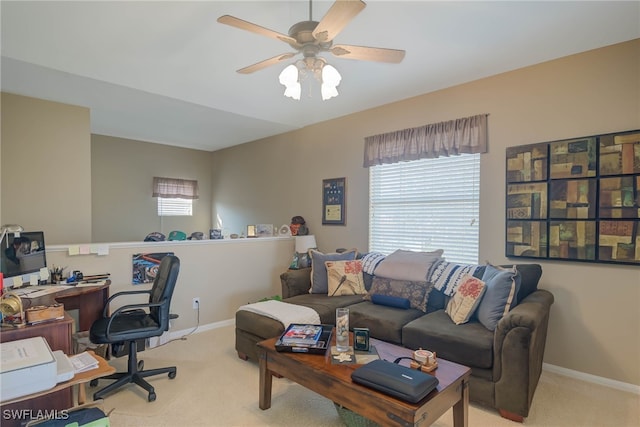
<point>506,363</point>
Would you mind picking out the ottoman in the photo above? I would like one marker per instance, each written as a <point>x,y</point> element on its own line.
<point>251,328</point>
<point>267,319</point>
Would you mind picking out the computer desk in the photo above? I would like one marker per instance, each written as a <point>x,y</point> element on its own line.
<point>90,302</point>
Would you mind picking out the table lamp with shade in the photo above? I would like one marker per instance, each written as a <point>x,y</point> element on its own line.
<point>301,256</point>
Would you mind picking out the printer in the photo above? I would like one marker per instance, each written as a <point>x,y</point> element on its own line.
<point>29,366</point>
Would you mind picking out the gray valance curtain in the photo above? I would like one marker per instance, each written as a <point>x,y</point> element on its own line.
<point>174,188</point>
<point>466,135</point>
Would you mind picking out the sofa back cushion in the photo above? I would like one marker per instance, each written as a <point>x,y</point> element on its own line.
<point>529,277</point>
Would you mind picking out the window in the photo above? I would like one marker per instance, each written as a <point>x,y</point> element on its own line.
<point>175,207</point>
<point>426,204</point>
<point>175,196</point>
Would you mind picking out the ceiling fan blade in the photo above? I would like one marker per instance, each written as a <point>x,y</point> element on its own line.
<point>267,62</point>
<point>337,17</point>
<point>364,53</point>
<point>254,28</point>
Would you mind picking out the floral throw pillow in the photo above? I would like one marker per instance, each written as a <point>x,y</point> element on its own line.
<point>319,279</point>
<point>466,299</point>
<point>416,292</point>
<point>345,278</point>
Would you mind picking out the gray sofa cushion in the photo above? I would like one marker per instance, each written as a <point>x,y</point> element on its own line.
<point>530,276</point>
<point>470,344</point>
<point>324,305</point>
<point>384,323</point>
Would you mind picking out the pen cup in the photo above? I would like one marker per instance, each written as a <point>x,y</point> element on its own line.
<point>342,329</point>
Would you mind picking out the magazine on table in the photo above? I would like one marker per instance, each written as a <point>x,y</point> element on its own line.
<point>302,334</point>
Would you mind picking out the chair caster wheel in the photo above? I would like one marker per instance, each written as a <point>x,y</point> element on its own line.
<point>93,383</point>
<point>140,365</point>
<point>172,375</point>
<point>152,397</point>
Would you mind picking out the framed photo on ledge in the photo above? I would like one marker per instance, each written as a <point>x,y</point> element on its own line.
<point>333,201</point>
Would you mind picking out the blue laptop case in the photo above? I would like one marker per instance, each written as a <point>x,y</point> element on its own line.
<point>395,380</point>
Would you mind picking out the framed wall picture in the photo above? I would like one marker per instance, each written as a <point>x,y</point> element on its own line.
<point>146,265</point>
<point>333,201</point>
<point>575,200</point>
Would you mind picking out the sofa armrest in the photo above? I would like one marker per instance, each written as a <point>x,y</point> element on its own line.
<point>295,282</point>
<point>518,346</point>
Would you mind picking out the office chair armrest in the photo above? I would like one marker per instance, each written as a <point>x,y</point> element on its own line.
<point>125,308</point>
<point>105,311</point>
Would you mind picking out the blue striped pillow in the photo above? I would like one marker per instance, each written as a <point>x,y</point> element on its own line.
<point>447,276</point>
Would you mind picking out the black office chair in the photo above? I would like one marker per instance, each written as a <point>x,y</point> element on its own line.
<point>131,322</point>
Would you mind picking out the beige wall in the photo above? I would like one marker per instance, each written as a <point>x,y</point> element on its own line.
<point>223,274</point>
<point>595,322</point>
<point>45,168</point>
<point>122,172</point>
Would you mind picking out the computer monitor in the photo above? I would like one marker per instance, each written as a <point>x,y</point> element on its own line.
<point>23,254</point>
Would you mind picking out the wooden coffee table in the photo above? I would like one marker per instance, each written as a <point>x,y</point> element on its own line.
<point>333,381</point>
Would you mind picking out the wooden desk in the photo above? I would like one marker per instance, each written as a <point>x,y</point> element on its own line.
<point>88,300</point>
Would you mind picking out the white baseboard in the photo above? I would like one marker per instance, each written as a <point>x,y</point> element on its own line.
<point>202,328</point>
<point>607,382</point>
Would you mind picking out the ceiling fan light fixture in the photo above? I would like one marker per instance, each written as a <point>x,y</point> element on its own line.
<point>330,80</point>
<point>289,79</point>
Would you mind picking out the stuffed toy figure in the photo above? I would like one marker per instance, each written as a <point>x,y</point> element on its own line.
<point>298,226</point>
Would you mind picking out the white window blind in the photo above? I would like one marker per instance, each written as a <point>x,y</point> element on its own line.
<point>174,207</point>
<point>426,204</point>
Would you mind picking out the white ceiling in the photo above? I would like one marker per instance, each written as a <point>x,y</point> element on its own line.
<point>165,71</point>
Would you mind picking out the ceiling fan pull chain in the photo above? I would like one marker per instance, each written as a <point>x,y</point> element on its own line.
<point>310,15</point>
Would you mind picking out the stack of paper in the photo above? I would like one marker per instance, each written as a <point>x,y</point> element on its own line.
<point>83,362</point>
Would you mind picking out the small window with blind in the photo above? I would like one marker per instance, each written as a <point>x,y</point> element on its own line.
<point>175,196</point>
<point>426,204</point>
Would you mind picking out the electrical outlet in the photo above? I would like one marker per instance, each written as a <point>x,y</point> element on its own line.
<point>196,303</point>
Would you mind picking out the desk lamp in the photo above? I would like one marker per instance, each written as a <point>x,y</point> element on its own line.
<point>4,230</point>
<point>10,228</point>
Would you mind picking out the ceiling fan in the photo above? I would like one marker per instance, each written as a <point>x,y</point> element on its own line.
<point>312,37</point>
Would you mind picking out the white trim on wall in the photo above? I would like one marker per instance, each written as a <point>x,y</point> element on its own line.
<point>607,382</point>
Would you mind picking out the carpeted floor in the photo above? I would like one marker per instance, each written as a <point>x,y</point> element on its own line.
<point>215,388</point>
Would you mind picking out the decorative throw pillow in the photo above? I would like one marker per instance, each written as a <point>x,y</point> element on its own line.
<point>447,276</point>
<point>345,278</point>
<point>408,265</point>
<point>500,295</point>
<point>370,261</point>
<point>466,299</point>
<point>319,280</point>
<point>416,292</point>
<point>390,301</point>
